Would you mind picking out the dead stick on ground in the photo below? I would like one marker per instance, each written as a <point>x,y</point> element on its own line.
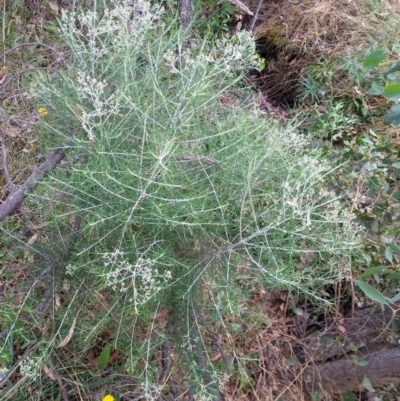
<point>241,6</point>
<point>4,160</point>
<point>14,199</point>
<point>60,383</point>
<point>255,16</point>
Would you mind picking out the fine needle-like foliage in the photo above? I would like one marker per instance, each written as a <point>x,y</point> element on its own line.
<point>188,198</point>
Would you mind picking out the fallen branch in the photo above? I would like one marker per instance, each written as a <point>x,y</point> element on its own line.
<point>330,360</point>
<point>241,6</point>
<point>15,198</point>
<point>370,327</point>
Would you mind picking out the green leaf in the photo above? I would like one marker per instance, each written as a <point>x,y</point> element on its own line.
<point>393,276</point>
<point>393,76</point>
<point>373,185</point>
<point>389,255</point>
<point>395,298</point>
<point>328,340</point>
<point>103,358</point>
<point>392,91</point>
<point>349,396</point>
<point>393,68</point>
<point>315,396</point>
<point>372,270</point>
<point>394,248</point>
<point>393,116</point>
<point>396,165</point>
<point>373,59</point>
<point>371,292</point>
<point>376,89</point>
<point>362,363</point>
<point>396,195</point>
<point>236,327</point>
<point>367,384</point>
<point>292,361</point>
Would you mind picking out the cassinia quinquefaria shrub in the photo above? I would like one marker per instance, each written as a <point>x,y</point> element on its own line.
<point>187,192</point>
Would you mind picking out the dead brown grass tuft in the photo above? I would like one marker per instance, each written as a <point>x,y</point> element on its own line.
<point>265,374</point>
<point>330,26</point>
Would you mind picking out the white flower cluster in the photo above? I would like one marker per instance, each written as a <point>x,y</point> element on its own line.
<point>141,277</point>
<point>240,51</point>
<point>3,373</point>
<point>93,92</point>
<point>30,367</point>
<point>117,23</point>
<point>230,54</point>
<point>70,269</point>
<point>93,23</point>
<point>95,37</point>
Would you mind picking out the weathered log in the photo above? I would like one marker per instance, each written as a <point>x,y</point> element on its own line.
<point>331,358</point>
<point>345,375</point>
<point>369,330</point>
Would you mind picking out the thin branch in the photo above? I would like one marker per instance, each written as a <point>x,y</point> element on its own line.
<point>255,16</point>
<point>57,270</point>
<point>200,353</point>
<point>215,340</point>
<point>14,199</point>
<point>37,44</point>
<point>19,73</point>
<point>4,161</point>
<point>60,383</point>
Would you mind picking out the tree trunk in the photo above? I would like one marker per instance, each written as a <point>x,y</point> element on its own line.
<point>184,13</point>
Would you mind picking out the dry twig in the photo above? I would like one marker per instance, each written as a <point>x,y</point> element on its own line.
<point>4,161</point>
<point>37,44</point>
<point>254,19</point>
<point>241,6</point>
<point>60,383</point>
<point>14,199</point>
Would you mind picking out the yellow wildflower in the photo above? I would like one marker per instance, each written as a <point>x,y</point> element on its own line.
<point>108,397</point>
<point>43,113</point>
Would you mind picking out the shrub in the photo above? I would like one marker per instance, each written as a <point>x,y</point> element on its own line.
<point>189,197</point>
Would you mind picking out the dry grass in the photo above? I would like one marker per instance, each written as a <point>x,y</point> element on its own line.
<point>330,26</point>
<point>293,38</point>
<point>269,376</point>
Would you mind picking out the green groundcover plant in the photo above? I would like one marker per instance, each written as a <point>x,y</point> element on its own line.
<point>188,198</point>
